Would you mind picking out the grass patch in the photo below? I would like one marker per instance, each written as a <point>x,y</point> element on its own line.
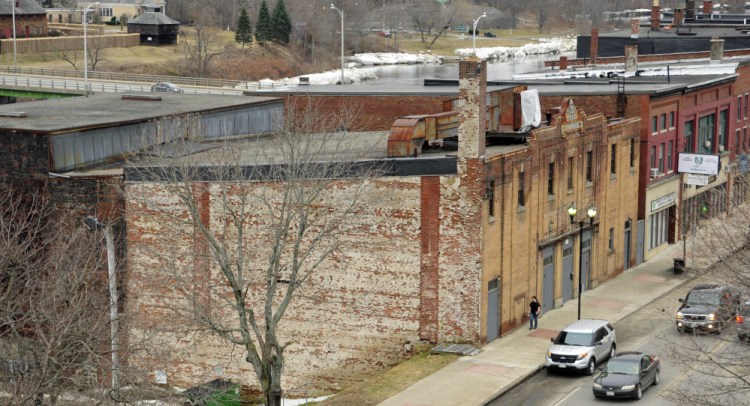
<point>381,387</point>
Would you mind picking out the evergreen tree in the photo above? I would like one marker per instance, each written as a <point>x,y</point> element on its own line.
<point>281,27</point>
<point>263,25</point>
<point>244,33</point>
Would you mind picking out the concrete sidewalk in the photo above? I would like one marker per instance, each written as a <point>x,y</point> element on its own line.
<point>507,361</point>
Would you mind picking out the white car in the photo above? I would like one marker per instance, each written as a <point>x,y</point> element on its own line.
<point>581,346</point>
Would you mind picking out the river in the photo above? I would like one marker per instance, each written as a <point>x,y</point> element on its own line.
<point>415,74</point>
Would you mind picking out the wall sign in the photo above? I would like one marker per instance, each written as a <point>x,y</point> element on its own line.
<point>663,201</point>
<point>703,164</point>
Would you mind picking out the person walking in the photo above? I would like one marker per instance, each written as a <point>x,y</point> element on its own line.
<point>534,308</point>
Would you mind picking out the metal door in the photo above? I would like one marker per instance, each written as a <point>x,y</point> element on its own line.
<point>567,280</point>
<point>548,285</point>
<point>586,259</point>
<point>493,309</point>
<point>626,248</point>
<point>640,230</point>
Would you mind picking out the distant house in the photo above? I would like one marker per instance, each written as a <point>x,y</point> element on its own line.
<point>127,9</point>
<point>30,19</point>
<point>155,28</point>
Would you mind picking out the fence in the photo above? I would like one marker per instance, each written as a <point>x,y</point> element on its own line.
<point>58,44</point>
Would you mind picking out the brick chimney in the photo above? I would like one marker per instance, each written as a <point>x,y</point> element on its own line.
<point>472,90</point>
<point>679,17</point>
<point>690,9</point>
<point>594,45</point>
<point>717,49</point>
<point>655,16</point>
<point>635,27</point>
<point>563,62</point>
<point>708,7</point>
<point>631,58</point>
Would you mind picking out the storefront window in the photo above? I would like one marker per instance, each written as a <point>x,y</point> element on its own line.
<point>723,117</point>
<point>706,134</point>
<point>689,136</point>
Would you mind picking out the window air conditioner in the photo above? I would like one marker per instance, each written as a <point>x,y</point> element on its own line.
<point>708,144</point>
<point>721,148</point>
<point>654,172</point>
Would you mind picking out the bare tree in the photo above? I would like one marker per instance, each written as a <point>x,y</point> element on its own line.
<point>431,19</point>
<point>200,45</point>
<point>277,206</point>
<point>95,48</point>
<point>54,324</point>
<point>715,225</point>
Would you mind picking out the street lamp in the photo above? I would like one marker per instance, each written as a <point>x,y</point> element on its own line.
<point>341,13</point>
<point>13,2</point>
<point>474,33</point>
<point>85,49</point>
<point>591,213</point>
<point>93,224</point>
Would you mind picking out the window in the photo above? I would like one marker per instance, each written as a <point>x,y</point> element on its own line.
<point>491,205</point>
<point>661,158</point>
<point>671,119</point>
<point>653,157</point>
<point>105,12</point>
<point>632,153</point>
<point>611,238</point>
<point>739,108</point>
<point>659,224</point>
<point>570,173</point>
<point>613,160</point>
<point>589,169</point>
<point>689,136</point>
<point>706,133</point>
<point>551,179</point>
<point>664,121</point>
<point>670,164</point>
<point>723,117</point>
<point>49,18</point>
<point>521,194</point>
<point>746,105</point>
<point>737,136</point>
<point>744,140</point>
<point>653,125</point>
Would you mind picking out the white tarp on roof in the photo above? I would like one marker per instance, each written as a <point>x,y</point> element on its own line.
<point>531,110</point>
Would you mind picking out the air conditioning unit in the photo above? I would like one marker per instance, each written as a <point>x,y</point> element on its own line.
<point>727,168</point>
<point>721,148</point>
<point>708,144</point>
<point>654,172</point>
<point>686,186</point>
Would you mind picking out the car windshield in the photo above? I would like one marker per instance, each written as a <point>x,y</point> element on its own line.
<point>584,339</point>
<point>705,297</point>
<point>619,366</point>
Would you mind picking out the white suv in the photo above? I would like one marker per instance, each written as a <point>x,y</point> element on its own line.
<point>581,346</point>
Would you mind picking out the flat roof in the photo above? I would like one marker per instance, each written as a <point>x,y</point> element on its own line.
<point>687,32</point>
<point>448,89</point>
<point>107,109</point>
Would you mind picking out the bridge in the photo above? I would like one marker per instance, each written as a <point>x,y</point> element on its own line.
<point>48,83</point>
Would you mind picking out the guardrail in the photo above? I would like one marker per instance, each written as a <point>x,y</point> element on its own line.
<point>133,77</point>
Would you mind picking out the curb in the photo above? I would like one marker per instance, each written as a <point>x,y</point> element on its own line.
<point>513,385</point>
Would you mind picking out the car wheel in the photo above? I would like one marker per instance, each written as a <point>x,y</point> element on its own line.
<point>656,378</point>
<point>638,392</point>
<point>612,351</point>
<point>591,367</point>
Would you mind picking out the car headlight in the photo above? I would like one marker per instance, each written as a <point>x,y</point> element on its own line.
<point>679,315</point>
<point>711,317</point>
<point>582,356</point>
<point>597,386</point>
<point>628,387</point>
<point>549,354</point>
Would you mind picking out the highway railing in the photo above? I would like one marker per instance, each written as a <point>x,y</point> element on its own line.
<point>132,77</point>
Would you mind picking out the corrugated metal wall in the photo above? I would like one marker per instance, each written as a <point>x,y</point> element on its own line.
<point>79,149</point>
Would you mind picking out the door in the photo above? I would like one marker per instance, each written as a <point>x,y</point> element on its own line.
<point>586,259</point>
<point>548,284</point>
<point>640,230</point>
<point>626,248</point>
<point>567,277</point>
<point>493,309</point>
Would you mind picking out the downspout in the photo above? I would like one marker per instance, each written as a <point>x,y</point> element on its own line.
<point>502,241</point>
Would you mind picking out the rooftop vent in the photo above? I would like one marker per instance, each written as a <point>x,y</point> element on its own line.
<point>16,114</point>
<point>141,97</point>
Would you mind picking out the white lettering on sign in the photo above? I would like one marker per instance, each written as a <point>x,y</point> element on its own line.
<point>663,201</point>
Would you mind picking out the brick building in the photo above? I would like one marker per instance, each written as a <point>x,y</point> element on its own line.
<point>440,266</point>
<point>30,19</point>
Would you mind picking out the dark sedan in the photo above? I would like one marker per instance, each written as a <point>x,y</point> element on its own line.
<point>627,375</point>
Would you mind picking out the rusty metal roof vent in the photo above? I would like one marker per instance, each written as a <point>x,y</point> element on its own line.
<point>13,114</point>
<point>141,97</point>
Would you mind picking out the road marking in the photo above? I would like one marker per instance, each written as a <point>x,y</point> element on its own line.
<point>561,401</point>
